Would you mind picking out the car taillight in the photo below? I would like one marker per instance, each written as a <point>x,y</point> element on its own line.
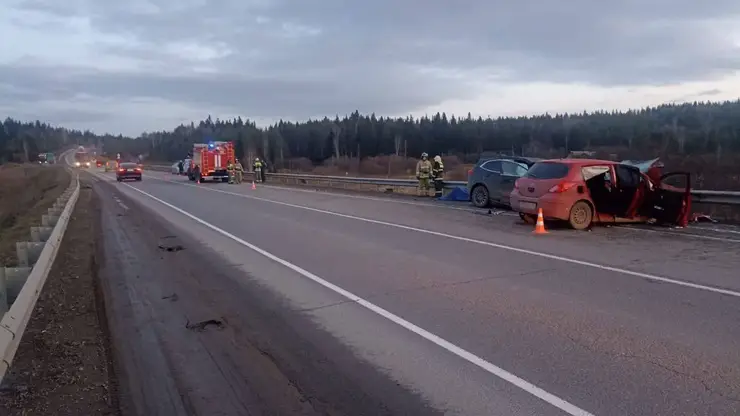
<point>470,172</point>
<point>562,187</point>
<point>138,169</point>
<point>122,170</point>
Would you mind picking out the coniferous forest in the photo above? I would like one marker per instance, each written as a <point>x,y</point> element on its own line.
<point>703,137</point>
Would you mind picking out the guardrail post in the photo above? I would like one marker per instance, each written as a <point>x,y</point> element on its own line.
<point>21,251</point>
<point>40,234</point>
<point>28,252</point>
<point>49,220</point>
<point>3,292</point>
<point>15,278</point>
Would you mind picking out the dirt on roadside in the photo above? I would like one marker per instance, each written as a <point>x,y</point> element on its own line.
<point>26,192</point>
<point>63,364</point>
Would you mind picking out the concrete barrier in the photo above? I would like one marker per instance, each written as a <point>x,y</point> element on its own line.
<point>21,286</point>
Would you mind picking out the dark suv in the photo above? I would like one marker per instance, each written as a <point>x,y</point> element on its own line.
<point>491,180</point>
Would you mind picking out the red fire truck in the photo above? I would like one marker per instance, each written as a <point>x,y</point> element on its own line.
<point>210,161</point>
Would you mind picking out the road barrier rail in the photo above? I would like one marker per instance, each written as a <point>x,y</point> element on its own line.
<point>21,286</point>
<point>698,195</point>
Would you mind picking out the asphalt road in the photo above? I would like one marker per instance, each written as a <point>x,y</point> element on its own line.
<point>371,305</point>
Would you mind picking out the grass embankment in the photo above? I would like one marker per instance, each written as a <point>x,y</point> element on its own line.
<point>26,192</point>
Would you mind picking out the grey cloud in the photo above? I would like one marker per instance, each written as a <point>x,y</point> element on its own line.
<point>363,52</point>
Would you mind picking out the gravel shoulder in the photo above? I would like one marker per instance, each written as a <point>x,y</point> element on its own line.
<point>63,363</point>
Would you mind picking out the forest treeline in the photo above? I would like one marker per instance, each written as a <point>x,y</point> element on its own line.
<point>673,129</point>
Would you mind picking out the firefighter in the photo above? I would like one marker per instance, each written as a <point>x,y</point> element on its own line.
<point>423,172</point>
<point>257,167</point>
<point>438,173</point>
<point>231,170</point>
<point>239,171</point>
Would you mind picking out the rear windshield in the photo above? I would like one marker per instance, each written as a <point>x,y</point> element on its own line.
<point>547,170</point>
<point>128,165</point>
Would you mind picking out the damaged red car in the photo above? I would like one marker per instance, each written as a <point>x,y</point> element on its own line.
<point>584,192</point>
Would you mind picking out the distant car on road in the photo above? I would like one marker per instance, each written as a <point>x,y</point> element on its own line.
<point>491,180</point>
<point>587,191</point>
<point>128,170</point>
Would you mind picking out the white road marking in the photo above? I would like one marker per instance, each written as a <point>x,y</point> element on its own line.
<point>719,230</point>
<point>489,244</point>
<point>683,234</point>
<point>441,342</point>
<point>120,203</point>
<point>367,198</point>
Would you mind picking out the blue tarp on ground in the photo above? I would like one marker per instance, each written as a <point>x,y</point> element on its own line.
<point>458,194</point>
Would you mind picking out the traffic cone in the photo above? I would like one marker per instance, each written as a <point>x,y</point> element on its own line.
<point>539,228</point>
<point>253,185</point>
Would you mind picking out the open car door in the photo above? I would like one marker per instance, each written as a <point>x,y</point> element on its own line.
<point>671,201</point>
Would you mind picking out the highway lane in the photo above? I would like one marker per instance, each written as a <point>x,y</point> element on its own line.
<point>266,359</point>
<point>605,341</point>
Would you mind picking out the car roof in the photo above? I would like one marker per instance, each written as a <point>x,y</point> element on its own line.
<point>582,162</point>
<point>517,159</point>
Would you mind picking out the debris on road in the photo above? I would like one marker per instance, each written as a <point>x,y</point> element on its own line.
<point>202,325</point>
<point>173,297</point>
<point>63,364</point>
<point>698,217</point>
<point>170,243</point>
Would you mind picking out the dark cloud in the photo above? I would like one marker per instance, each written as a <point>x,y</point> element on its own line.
<point>295,59</point>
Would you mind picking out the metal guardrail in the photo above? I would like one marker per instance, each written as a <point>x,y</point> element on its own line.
<point>698,196</point>
<point>21,286</point>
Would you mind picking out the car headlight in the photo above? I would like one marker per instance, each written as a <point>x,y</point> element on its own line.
<point>88,163</point>
<point>77,163</point>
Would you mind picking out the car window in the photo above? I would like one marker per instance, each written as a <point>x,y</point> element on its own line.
<point>548,170</point>
<point>492,165</point>
<point>627,177</point>
<point>128,165</point>
<point>513,169</point>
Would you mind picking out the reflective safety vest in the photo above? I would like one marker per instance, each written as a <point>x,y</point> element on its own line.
<point>423,169</point>
<point>438,171</point>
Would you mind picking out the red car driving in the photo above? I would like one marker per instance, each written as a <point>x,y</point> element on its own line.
<point>128,170</point>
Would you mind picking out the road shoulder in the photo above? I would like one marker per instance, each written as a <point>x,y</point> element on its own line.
<point>62,366</point>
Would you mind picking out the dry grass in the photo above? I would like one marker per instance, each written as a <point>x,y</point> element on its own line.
<point>376,167</point>
<point>26,192</point>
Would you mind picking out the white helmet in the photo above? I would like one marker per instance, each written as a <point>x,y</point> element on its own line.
<point>425,154</point>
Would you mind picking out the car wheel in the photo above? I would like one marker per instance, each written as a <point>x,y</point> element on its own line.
<point>119,180</point>
<point>581,215</point>
<point>479,197</point>
<point>138,179</point>
<point>528,218</point>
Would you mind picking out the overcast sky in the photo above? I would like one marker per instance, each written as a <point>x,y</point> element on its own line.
<point>130,66</point>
